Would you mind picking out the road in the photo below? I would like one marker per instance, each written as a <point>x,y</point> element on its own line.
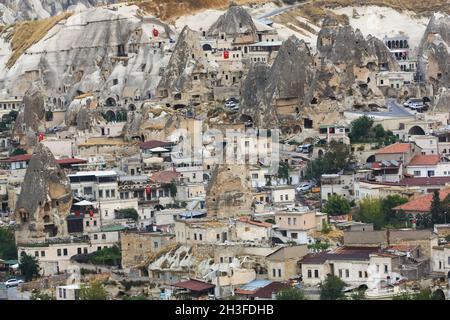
<point>14,294</point>
<point>395,110</point>
<point>281,10</point>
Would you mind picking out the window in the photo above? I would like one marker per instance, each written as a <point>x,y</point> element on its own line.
<point>294,220</point>
<point>286,197</point>
<point>95,222</point>
<point>365,274</point>
<point>195,236</point>
<point>95,237</point>
<point>281,197</point>
<point>85,251</point>
<point>200,237</point>
<point>340,273</point>
<point>79,250</point>
<point>104,236</point>
<point>65,251</point>
<point>155,245</point>
<point>385,268</point>
<point>100,193</point>
<point>279,273</point>
<point>87,223</point>
<point>360,274</point>
<point>294,235</point>
<point>230,259</point>
<point>440,264</point>
<point>309,274</point>
<point>347,273</point>
<point>113,193</point>
<point>36,253</point>
<point>316,273</point>
<point>417,173</point>
<point>254,176</point>
<point>274,272</point>
<point>42,253</point>
<point>218,236</point>
<point>99,248</point>
<point>289,221</point>
<point>64,293</point>
<point>60,292</point>
<point>107,194</point>
<point>378,268</point>
<point>58,252</point>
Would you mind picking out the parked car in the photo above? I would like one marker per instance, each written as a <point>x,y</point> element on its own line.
<point>232,103</point>
<point>13,282</point>
<point>413,103</point>
<point>303,187</point>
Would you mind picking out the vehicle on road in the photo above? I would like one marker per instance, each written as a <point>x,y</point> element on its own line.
<point>306,148</point>
<point>303,187</point>
<point>232,104</point>
<point>14,282</point>
<point>414,103</point>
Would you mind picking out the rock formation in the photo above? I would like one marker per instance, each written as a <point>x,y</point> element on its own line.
<point>31,118</point>
<point>45,199</point>
<point>289,78</point>
<point>434,52</point>
<point>235,23</point>
<point>83,114</point>
<point>229,191</point>
<point>187,59</point>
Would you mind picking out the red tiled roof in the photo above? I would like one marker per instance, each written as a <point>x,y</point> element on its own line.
<point>341,253</point>
<point>20,157</point>
<point>164,176</point>
<point>266,292</point>
<point>248,220</point>
<point>421,204</point>
<point>425,181</point>
<point>154,144</point>
<point>194,285</point>
<point>71,161</point>
<point>395,148</point>
<point>425,160</point>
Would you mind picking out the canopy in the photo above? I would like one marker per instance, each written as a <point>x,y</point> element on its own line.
<point>159,149</point>
<point>84,203</point>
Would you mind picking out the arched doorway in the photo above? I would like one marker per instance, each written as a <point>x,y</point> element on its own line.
<point>371,159</point>
<point>207,47</point>
<point>110,116</point>
<point>110,102</point>
<point>132,107</point>
<point>416,131</point>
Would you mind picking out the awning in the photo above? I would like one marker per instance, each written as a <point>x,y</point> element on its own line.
<point>84,203</point>
<point>159,149</point>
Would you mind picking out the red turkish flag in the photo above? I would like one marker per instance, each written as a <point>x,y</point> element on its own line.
<point>148,189</point>
<point>155,32</point>
<point>91,213</point>
<point>226,54</point>
<point>41,137</point>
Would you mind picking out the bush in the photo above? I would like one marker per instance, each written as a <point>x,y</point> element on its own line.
<point>8,249</point>
<point>331,288</point>
<point>129,213</point>
<point>291,294</point>
<point>94,291</point>
<point>337,205</point>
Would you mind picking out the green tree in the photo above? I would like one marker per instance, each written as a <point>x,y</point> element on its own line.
<point>29,267</point>
<point>18,151</point>
<point>370,211</point>
<point>173,189</point>
<point>387,205</point>
<point>337,157</point>
<point>93,291</point>
<point>337,205</point>
<point>291,294</point>
<point>38,295</point>
<point>360,129</point>
<point>107,256</point>
<point>283,171</point>
<point>8,249</point>
<point>436,209</point>
<point>128,213</point>
<point>360,294</point>
<point>332,288</point>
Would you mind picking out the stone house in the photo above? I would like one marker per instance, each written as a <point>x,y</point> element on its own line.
<point>282,264</point>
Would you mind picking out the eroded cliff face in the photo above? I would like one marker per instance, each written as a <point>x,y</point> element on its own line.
<point>229,191</point>
<point>434,52</point>
<point>83,114</point>
<point>45,199</point>
<point>18,10</point>
<point>100,51</point>
<point>31,118</point>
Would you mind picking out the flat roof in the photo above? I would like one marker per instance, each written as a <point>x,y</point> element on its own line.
<point>266,44</point>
